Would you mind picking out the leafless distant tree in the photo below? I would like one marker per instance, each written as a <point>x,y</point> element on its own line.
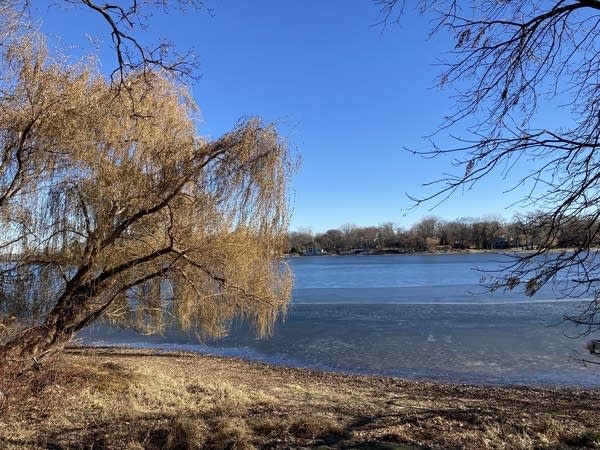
<point>510,61</point>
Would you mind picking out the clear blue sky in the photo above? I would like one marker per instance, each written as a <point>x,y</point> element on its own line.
<point>348,95</point>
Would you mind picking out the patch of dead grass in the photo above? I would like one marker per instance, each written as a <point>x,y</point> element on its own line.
<point>148,401</point>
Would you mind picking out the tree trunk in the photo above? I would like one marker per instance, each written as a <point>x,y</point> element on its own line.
<point>38,341</point>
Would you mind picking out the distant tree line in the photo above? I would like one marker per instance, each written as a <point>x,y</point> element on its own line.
<point>524,232</point>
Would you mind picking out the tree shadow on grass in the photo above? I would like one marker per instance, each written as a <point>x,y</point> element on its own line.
<point>148,432</point>
<point>161,431</point>
<point>454,427</point>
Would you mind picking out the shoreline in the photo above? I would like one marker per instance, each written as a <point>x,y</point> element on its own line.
<point>471,251</point>
<point>304,372</point>
<point>167,350</point>
<point>129,398</point>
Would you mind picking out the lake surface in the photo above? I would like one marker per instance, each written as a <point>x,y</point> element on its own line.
<point>414,316</point>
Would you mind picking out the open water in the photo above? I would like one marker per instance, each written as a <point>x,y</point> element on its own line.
<point>414,316</point>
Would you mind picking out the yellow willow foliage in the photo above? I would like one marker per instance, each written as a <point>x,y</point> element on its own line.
<point>112,205</point>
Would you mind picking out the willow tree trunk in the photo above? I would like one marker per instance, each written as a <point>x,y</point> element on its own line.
<point>59,326</point>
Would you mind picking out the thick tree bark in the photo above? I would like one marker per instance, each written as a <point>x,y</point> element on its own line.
<point>34,343</point>
<point>59,326</point>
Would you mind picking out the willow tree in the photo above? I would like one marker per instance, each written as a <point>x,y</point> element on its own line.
<point>127,214</point>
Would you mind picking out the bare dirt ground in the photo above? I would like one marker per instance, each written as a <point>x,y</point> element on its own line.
<point>118,398</point>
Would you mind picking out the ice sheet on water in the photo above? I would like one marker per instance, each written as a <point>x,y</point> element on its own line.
<point>380,315</point>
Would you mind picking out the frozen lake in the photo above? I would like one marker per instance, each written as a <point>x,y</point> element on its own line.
<point>414,316</point>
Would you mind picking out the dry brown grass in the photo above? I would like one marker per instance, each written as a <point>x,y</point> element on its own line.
<point>115,399</point>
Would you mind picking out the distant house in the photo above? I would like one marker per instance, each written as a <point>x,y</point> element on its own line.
<point>500,243</point>
<point>314,251</point>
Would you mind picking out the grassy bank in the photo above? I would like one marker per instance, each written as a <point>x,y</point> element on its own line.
<point>101,398</point>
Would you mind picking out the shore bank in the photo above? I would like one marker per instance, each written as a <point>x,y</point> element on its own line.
<point>124,398</point>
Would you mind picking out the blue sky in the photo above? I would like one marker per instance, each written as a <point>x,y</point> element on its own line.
<point>347,94</point>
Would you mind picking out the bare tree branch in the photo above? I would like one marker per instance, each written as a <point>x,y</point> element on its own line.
<point>511,61</point>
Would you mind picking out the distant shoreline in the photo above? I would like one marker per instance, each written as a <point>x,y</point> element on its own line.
<point>408,253</point>
<point>510,251</point>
